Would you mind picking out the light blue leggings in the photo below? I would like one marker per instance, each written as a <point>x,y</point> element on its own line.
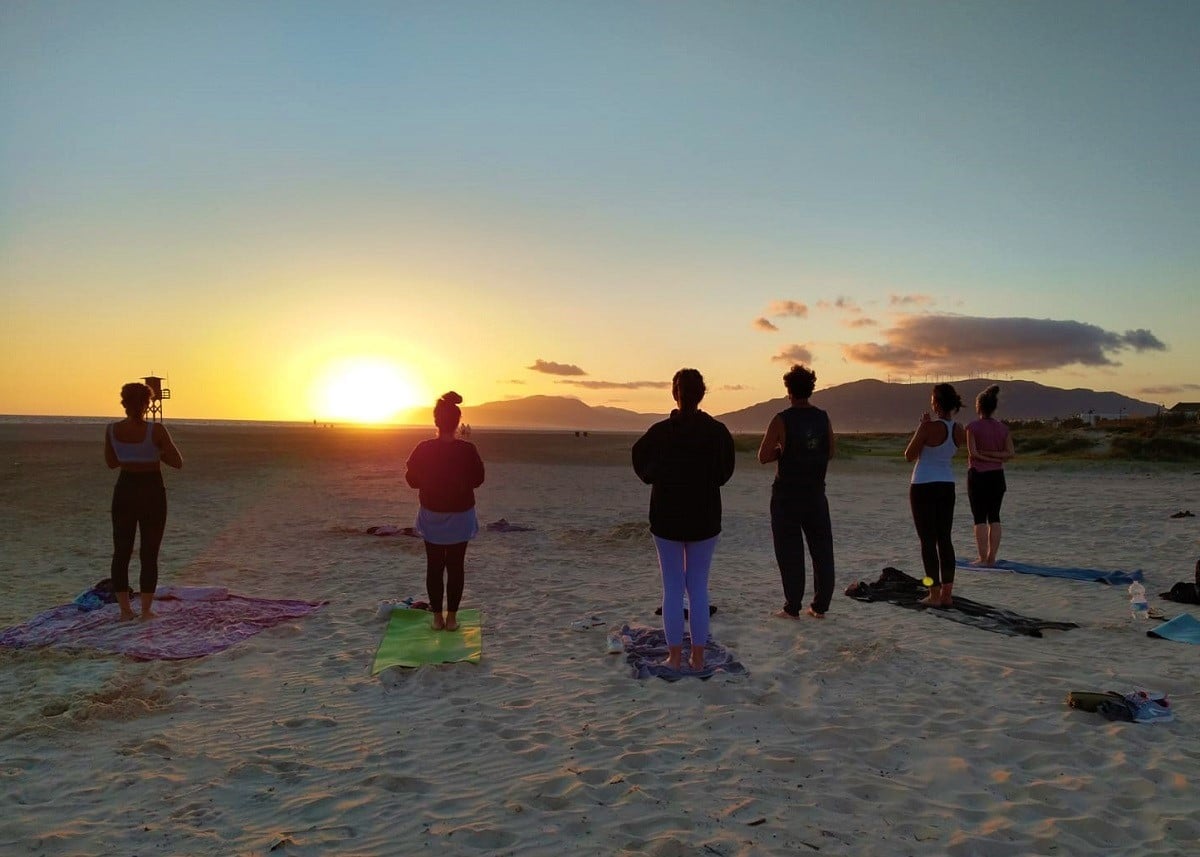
<point>685,566</point>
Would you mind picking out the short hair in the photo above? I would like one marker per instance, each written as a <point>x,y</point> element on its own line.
<point>800,381</point>
<point>446,413</point>
<point>687,388</point>
<point>987,401</point>
<point>947,397</point>
<point>135,398</point>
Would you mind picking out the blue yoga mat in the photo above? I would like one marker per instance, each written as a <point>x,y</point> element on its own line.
<point>1184,628</point>
<point>1093,574</point>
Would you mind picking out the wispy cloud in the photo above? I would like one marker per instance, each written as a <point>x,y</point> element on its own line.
<point>910,300</point>
<point>794,354</point>
<point>787,308</point>
<point>949,343</point>
<point>514,381</point>
<point>620,385</point>
<point>842,303</point>
<point>764,324</point>
<point>1169,389</point>
<point>733,388</point>
<point>549,367</point>
<point>860,322</point>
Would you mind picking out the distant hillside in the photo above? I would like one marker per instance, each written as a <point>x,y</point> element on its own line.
<point>878,406</point>
<point>561,412</point>
<point>858,406</point>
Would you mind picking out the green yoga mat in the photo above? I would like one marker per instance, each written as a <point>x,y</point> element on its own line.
<point>410,642</point>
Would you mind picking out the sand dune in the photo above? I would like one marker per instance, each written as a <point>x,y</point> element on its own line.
<point>877,731</point>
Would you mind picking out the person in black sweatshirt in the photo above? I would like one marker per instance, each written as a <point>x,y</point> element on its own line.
<point>685,458</point>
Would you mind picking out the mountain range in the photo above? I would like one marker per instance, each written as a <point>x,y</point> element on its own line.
<point>858,406</point>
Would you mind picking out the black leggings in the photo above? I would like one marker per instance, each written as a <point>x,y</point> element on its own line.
<point>139,502</point>
<point>451,559</point>
<point>933,513</point>
<point>985,493</point>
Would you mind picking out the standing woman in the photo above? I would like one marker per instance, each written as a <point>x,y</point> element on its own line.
<point>801,440</point>
<point>989,445</point>
<point>685,458</point>
<point>931,494</point>
<point>139,499</point>
<point>446,471</point>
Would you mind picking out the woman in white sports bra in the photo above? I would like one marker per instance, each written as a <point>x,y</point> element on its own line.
<point>931,494</point>
<point>139,498</point>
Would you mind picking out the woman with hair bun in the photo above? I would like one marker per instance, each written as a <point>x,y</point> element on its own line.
<point>931,493</point>
<point>139,499</point>
<point>989,445</point>
<point>446,470</point>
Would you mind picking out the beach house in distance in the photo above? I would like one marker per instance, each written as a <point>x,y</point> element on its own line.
<point>1187,410</point>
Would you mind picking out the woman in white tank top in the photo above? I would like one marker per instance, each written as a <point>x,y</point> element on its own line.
<point>931,493</point>
<point>139,503</point>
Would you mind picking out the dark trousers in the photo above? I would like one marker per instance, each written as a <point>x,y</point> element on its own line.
<point>933,514</point>
<point>139,502</point>
<point>452,560</point>
<point>795,520</point>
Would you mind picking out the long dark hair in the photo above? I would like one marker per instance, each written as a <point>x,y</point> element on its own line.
<point>947,398</point>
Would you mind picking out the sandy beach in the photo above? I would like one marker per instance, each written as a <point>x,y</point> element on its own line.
<point>878,731</point>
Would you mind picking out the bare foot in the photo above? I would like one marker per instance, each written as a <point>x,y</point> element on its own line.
<point>127,616</point>
<point>696,659</point>
<point>814,613</point>
<point>982,563</point>
<point>451,622</point>
<point>438,622</point>
<point>934,598</point>
<point>148,615</point>
<point>674,662</point>
<point>783,614</point>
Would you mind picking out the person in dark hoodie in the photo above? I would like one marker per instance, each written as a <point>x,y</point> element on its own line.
<point>685,458</point>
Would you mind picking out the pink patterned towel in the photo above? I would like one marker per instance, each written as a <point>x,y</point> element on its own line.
<point>190,624</point>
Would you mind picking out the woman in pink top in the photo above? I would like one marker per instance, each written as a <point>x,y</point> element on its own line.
<point>989,445</point>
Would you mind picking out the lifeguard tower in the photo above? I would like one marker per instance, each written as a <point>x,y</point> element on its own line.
<point>158,393</point>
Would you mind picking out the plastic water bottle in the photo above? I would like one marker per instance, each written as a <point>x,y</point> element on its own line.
<point>1138,605</point>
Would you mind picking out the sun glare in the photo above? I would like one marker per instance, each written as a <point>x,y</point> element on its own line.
<point>365,390</point>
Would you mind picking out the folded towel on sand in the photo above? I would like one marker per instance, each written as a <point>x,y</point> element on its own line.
<point>1184,628</point>
<point>896,587</point>
<point>1092,574</point>
<point>410,641</point>
<point>646,649</point>
<point>191,622</point>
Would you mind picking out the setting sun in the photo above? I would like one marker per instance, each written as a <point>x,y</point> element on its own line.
<point>364,390</point>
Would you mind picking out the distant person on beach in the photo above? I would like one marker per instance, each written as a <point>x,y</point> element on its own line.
<point>989,445</point>
<point>685,458</point>
<point>801,440</point>
<point>931,493</point>
<point>446,470</point>
<point>139,499</point>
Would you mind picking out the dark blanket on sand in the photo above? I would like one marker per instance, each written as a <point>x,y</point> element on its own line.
<point>503,526</point>
<point>1183,592</point>
<point>646,649</point>
<point>904,590</point>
